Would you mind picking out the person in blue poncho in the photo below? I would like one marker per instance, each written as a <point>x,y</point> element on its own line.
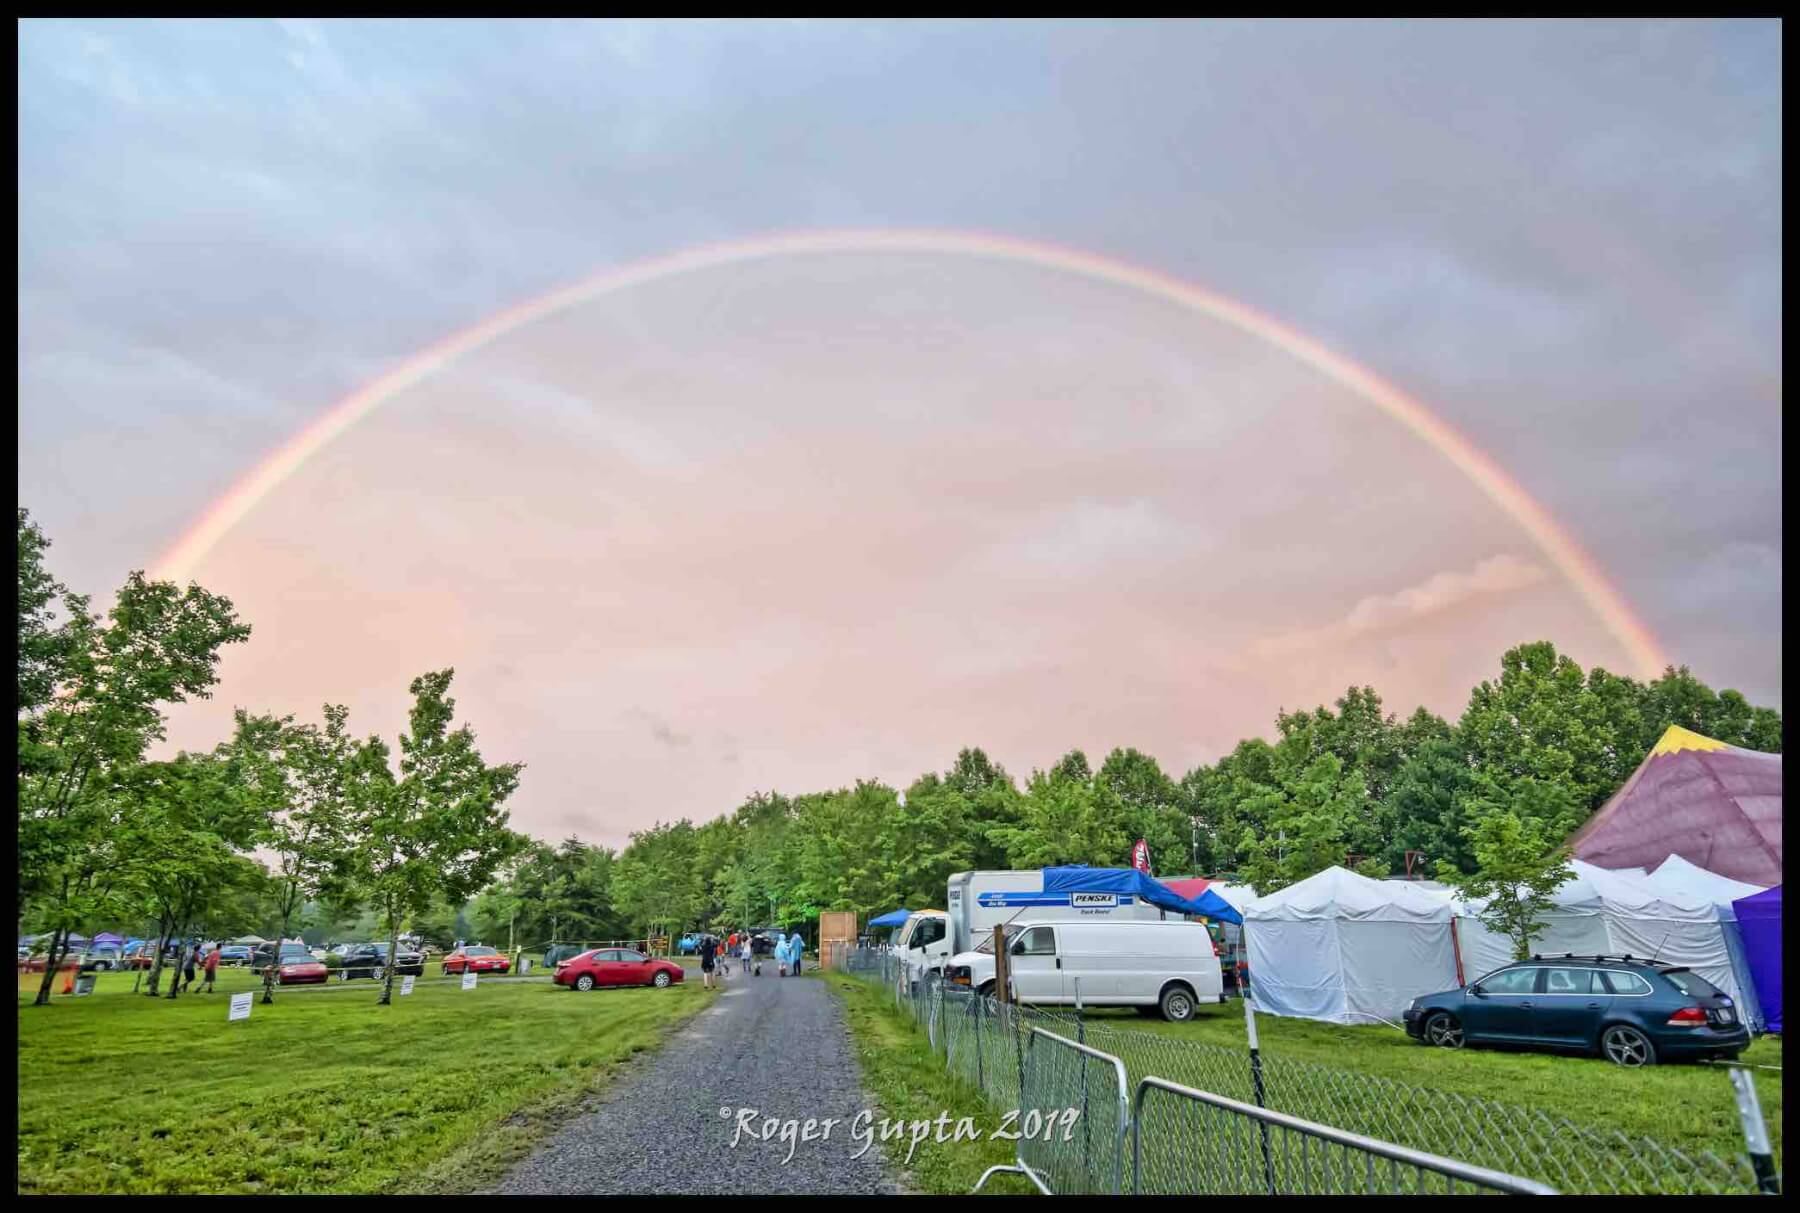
<point>796,947</point>
<point>781,956</point>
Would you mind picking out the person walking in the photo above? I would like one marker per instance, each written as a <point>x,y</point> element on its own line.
<point>210,967</point>
<point>749,955</point>
<point>707,950</point>
<point>191,960</point>
<point>796,946</point>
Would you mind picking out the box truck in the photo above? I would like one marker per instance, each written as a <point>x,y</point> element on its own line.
<point>980,901</point>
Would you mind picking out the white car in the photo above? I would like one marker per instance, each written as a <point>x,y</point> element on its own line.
<point>1169,966</point>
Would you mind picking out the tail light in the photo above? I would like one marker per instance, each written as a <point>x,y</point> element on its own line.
<point>1688,1017</point>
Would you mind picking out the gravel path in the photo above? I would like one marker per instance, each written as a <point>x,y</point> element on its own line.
<point>778,1045</point>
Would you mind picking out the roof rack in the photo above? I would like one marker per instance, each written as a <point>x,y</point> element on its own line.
<point>1628,958</point>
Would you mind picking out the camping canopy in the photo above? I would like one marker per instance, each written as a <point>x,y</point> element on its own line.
<point>1678,876</point>
<point>1715,805</point>
<point>108,937</point>
<point>1759,920</point>
<point>895,919</point>
<point>1132,883</point>
<point>1602,913</point>
<point>1346,949</point>
<point>252,940</point>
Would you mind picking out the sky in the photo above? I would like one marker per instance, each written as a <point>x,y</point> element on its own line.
<point>789,522</point>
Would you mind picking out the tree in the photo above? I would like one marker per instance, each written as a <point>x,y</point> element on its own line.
<point>299,777</point>
<point>91,700</point>
<point>436,832</point>
<point>1152,806</point>
<point>1064,819</point>
<point>1308,819</point>
<point>656,884</point>
<point>181,843</point>
<point>1425,804</point>
<point>1519,865</point>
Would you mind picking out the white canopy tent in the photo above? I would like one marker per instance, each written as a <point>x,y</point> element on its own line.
<point>1604,913</point>
<point>1346,949</point>
<point>1676,875</point>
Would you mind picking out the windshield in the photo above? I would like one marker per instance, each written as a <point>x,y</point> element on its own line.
<point>479,952</point>
<point>295,954</point>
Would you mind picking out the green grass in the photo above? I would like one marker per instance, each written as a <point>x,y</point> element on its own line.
<point>907,1081</point>
<point>320,1092</point>
<point>1690,1107</point>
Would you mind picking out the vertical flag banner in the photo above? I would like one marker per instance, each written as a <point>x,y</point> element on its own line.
<point>1140,856</point>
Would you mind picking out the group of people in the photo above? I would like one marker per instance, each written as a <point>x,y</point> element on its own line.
<point>716,955</point>
<point>200,959</point>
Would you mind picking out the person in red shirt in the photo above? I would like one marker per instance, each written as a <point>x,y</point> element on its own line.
<point>210,967</point>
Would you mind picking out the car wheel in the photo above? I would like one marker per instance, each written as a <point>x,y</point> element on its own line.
<point>1444,1031</point>
<point>1624,1045</point>
<point>1177,1005</point>
<point>377,974</point>
<point>585,982</point>
<point>661,980</point>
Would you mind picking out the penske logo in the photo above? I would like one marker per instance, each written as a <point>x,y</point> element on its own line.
<point>1092,901</point>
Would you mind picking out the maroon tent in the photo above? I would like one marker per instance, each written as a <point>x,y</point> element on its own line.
<point>1713,804</point>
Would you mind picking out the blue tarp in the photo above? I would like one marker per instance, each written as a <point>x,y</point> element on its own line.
<point>897,918</point>
<point>1131,882</point>
<point>1759,924</point>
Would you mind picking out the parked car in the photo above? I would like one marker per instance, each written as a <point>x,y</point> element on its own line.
<point>234,955</point>
<point>296,967</point>
<point>1171,967</point>
<point>476,960</point>
<point>555,954</point>
<point>689,943</point>
<point>616,967</point>
<point>103,957</point>
<point>1631,1012</point>
<point>370,960</point>
<point>764,939</point>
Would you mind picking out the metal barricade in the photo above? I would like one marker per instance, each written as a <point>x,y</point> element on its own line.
<point>1054,1151</point>
<point>1186,1141</point>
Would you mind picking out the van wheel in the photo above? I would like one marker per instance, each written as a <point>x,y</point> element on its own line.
<point>986,990</point>
<point>1177,1004</point>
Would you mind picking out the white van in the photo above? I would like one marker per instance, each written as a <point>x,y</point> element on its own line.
<point>923,944</point>
<point>1170,966</point>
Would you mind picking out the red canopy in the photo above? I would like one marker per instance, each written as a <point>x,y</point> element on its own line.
<point>1190,888</point>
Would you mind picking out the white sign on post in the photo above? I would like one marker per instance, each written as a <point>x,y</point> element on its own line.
<point>469,980</point>
<point>240,1006</point>
<point>406,984</point>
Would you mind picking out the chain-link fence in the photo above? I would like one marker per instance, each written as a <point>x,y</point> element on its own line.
<point>984,1040</point>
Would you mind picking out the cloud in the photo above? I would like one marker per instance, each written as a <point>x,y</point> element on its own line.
<point>1436,595</point>
<point>663,731</point>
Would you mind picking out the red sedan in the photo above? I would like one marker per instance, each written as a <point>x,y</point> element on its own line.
<point>616,967</point>
<point>298,968</point>
<point>477,960</point>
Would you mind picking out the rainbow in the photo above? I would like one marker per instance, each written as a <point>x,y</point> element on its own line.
<point>1557,545</point>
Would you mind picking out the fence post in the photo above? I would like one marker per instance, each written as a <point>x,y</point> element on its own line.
<point>1756,1132</point>
<point>1087,1136</point>
<point>1256,1087</point>
<point>980,1014</point>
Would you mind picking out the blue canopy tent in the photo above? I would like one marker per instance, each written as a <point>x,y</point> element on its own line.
<point>895,919</point>
<point>1129,882</point>
<point>1759,924</point>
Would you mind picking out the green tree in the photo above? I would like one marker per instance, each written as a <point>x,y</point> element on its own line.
<point>91,699</point>
<point>1519,865</point>
<point>299,776</point>
<point>439,831</point>
<point>1308,819</point>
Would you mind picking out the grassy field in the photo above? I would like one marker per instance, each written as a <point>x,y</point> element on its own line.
<point>908,1082</point>
<point>1686,1106</point>
<point>1328,1073</point>
<point>322,1091</point>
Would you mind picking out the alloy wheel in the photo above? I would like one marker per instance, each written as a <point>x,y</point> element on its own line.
<point>1444,1031</point>
<point>1627,1047</point>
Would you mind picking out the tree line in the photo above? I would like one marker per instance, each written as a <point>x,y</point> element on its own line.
<point>279,816</point>
<point>286,823</point>
<point>1483,802</point>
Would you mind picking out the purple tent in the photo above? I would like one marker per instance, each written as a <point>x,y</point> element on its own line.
<point>107,937</point>
<point>1759,922</point>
